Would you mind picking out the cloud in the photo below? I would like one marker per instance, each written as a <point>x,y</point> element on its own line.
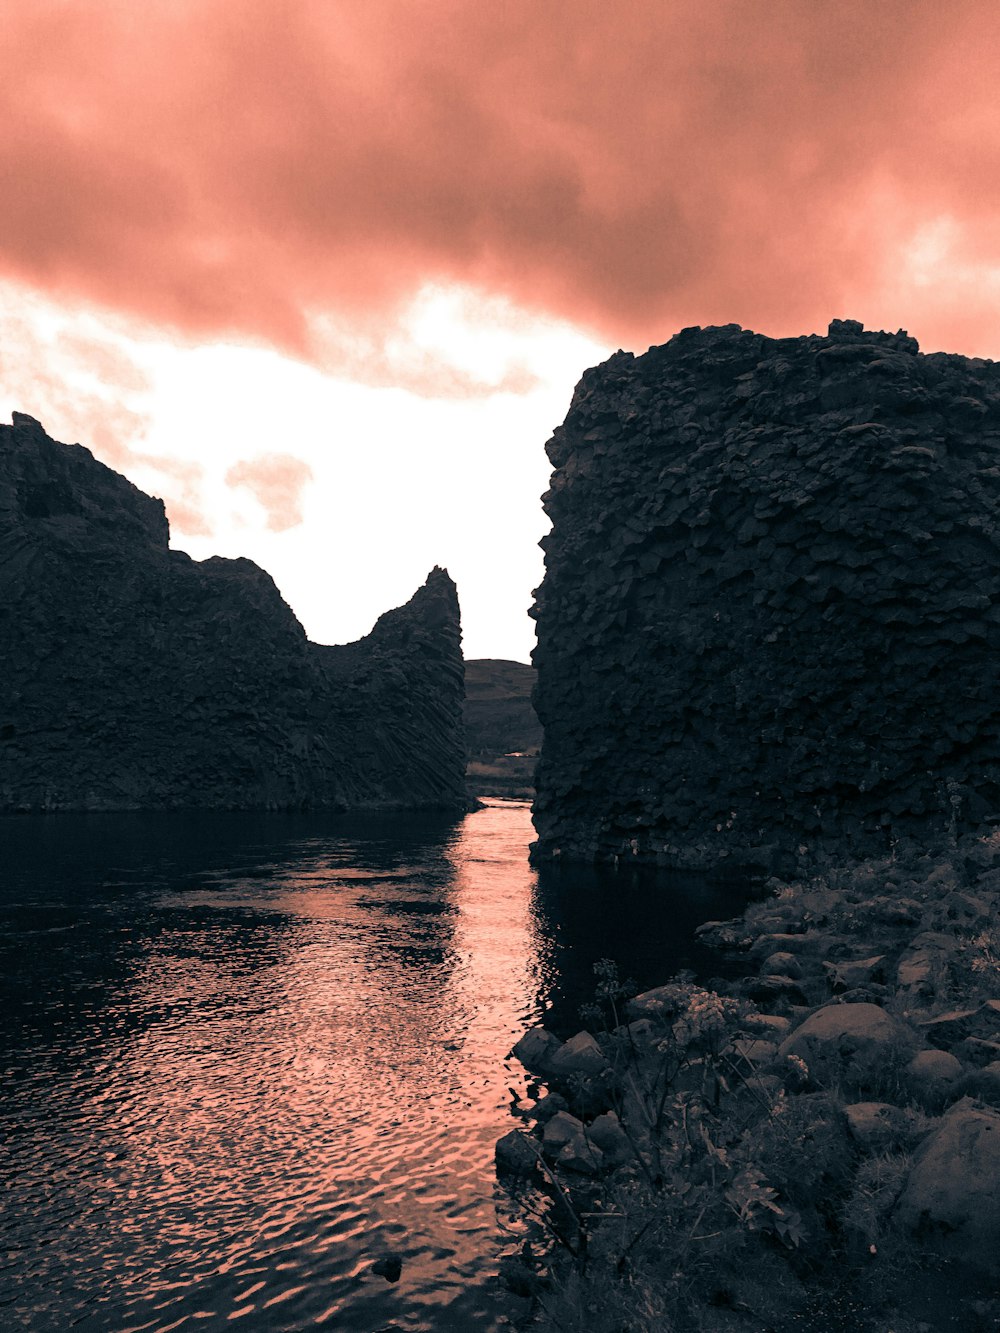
<point>245,169</point>
<point>276,481</point>
<point>86,388</point>
<point>178,482</point>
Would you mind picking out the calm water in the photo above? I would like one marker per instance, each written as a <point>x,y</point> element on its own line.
<point>243,1057</point>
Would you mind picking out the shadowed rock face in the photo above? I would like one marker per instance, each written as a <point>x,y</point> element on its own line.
<point>135,677</point>
<point>770,617</point>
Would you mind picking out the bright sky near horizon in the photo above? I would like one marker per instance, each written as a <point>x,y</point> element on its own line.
<point>323,274</point>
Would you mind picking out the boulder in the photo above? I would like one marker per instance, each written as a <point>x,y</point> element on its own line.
<point>724,934</point>
<point>639,1033</point>
<point>565,1141</point>
<point>850,973</point>
<point>515,1155</point>
<point>873,993</point>
<point>660,1002</point>
<point>606,1132</point>
<point>967,910</point>
<point>548,1106</point>
<point>558,1132</point>
<point>766,946</point>
<point>580,1055</point>
<point>782,964</point>
<point>977,1052</point>
<point>536,1049</point>
<point>950,1199</point>
<point>924,966</point>
<point>772,990</point>
<point>772,1026</point>
<point>983,1084</point>
<point>579,1154</point>
<point>981,1021</point>
<point>754,1053</point>
<point>857,1044</point>
<point>930,1077</point>
<point>896,912</point>
<point>877,1126</point>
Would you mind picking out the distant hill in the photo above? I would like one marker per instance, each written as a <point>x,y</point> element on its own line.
<point>502,733</point>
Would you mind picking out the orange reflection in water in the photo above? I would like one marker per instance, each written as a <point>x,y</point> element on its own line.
<point>314,1074</point>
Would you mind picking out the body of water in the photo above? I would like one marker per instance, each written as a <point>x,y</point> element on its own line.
<point>243,1057</point>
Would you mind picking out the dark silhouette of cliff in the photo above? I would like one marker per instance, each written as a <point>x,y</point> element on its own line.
<point>136,677</point>
<point>770,619</point>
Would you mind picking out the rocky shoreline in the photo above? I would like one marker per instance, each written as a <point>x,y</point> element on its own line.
<point>817,1140</point>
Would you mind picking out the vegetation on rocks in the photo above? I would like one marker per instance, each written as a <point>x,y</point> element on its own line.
<point>813,1145</point>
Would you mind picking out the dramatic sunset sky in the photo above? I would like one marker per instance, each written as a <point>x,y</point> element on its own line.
<point>323,273</point>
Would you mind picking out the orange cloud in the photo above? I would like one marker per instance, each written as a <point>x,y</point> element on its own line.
<point>178,483</point>
<point>239,167</point>
<point>86,390</point>
<point>276,481</point>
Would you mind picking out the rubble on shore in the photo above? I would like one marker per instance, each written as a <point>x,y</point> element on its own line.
<point>827,1123</point>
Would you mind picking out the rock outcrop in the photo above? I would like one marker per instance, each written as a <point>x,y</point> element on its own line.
<point>135,677</point>
<point>770,619</point>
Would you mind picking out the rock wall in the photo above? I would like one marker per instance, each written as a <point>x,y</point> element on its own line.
<point>136,677</point>
<point>770,618</point>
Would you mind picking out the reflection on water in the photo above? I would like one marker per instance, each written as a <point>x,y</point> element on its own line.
<point>643,919</point>
<point>242,1057</point>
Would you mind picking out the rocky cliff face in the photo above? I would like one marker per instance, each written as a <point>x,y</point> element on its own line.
<point>771,610</point>
<point>134,676</point>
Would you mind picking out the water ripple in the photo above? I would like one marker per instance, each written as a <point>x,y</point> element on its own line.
<point>226,1093</point>
<point>243,1057</point>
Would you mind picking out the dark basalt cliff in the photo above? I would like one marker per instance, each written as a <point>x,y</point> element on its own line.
<point>136,677</point>
<point>770,619</point>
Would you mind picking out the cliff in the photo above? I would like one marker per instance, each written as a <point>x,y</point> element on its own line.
<point>136,677</point>
<point>770,619</point>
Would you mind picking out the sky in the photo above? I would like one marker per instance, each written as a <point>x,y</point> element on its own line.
<point>323,274</point>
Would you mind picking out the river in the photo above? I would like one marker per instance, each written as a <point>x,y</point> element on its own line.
<point>245,1056</point>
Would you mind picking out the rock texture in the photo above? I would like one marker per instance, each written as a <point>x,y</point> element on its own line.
<point>950,1199</point>
<point>770,618</point>
<point>136,677</point>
